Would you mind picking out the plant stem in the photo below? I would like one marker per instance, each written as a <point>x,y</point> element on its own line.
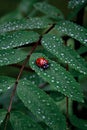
<point>67,110</point>
<point>19,75</point>
<point>16,82</point>
<point>21,70</point>
<point>67,99</point>
<point>67,102</point>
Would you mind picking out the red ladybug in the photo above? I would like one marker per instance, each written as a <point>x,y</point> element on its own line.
<point>42,62</point>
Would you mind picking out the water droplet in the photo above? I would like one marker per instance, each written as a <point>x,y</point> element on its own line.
<point>43,117</point>
<point>52,81</point>
<point>9,87</point>
<point>57,82</point>
<point>0,90</point>
<point>57,86</point>
<point>43,100</point>
<point>48,104</point>
<point>45,74</point>
<point>29,101</point>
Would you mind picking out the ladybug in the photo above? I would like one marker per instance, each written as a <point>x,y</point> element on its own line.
<point>42,62</point>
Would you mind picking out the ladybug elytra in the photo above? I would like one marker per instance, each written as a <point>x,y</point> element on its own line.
<point>42,62</point>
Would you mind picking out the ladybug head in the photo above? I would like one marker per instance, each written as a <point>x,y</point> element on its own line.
<point>45,66</point>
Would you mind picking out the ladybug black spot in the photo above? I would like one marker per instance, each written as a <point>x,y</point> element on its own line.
<point>45,66</point>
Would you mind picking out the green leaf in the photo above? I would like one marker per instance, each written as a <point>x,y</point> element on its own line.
<point>16,39</point>
<point>24,24</point>
<point>67,55</point>
<point>34,78</point>
<point>74,12</point>
<point>56,95</point>
<point>45,127</point>
<point>20,121</point>
<point>38,81</point>
<point>6,83</point>
<point>53,75</point>
<point>48,87</point>
<point>76,3</point>
<point>49,10</point>
<point>11,56</point>
<point>26,6</point>
<point>79,123</point>
<point>73,30</point>
<point>41,105</point>
<point>2,115</point>
<point>82,50</point>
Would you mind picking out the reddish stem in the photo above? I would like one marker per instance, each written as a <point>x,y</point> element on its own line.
<point>19,75</point>
<point>67,101</point>
<point>16,83</point>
